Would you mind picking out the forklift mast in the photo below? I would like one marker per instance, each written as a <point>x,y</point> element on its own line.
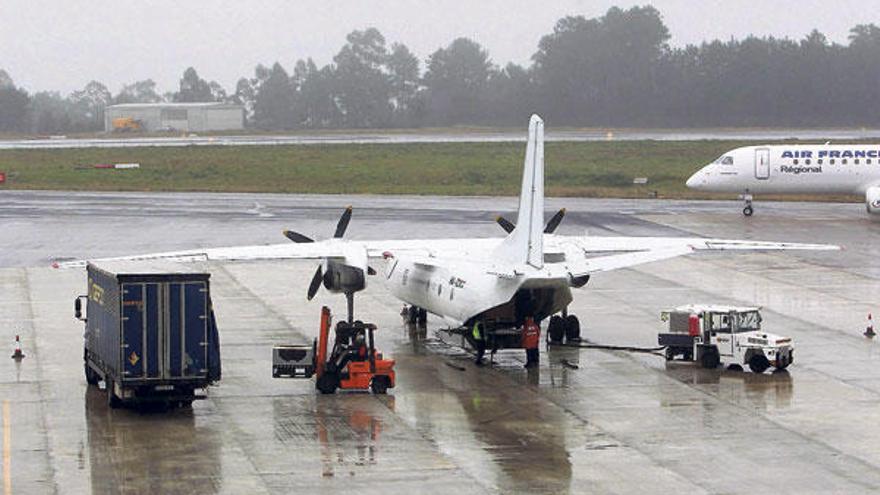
<point>322,341</point>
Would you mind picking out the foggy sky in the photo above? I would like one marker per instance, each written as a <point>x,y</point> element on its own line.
<point>63,44</point>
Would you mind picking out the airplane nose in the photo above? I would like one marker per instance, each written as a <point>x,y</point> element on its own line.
<point>694,181</point>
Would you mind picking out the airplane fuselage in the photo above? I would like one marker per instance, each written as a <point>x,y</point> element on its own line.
<point>461,291</point>
<point>795,169</point>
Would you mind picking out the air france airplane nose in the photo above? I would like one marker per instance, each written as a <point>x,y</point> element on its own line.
<point>697,180</point>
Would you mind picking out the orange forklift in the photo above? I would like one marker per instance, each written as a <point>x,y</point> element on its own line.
<point>352,364</point>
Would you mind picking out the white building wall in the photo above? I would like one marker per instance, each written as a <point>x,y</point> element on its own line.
<point>181,117</point>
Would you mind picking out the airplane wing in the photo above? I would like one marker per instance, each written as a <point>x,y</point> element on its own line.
<point>316,250</point>
<point>580,251</point>
<point>330,248</point>
<point>633,251</point>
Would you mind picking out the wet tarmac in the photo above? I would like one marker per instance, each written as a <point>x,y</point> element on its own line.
<point>618,423</point>
<point>430,136</point>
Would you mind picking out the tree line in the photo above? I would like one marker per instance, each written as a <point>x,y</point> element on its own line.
<point>614,70</point>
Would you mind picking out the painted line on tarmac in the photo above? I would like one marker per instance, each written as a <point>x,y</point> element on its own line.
<point>7,458</point>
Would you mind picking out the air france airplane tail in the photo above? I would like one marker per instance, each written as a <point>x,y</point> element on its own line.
<point>526,243</point>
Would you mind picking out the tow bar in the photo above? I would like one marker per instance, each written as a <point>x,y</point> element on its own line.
<point>657,351</point>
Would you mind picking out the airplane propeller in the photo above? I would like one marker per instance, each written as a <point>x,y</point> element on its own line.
<point>341,227</point>
<point>505,224</point>
<point>551,226</point>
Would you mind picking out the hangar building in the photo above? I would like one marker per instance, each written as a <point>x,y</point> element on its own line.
<point>189,117</point>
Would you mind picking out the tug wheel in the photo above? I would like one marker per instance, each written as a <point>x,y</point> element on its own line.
<point>758,363</point>
<point>710,359</point>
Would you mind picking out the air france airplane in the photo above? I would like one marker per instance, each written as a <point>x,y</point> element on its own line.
<point>795,169</point>
<point>496,281</point>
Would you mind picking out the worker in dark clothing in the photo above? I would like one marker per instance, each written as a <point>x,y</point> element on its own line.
<point>479,342</point>
<point>531,338</point>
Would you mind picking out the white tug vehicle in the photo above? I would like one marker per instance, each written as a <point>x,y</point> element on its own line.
<point>712,334</point>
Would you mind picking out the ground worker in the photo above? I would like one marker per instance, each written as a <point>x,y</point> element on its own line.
<point>479,342</point>
<point>531,337</point>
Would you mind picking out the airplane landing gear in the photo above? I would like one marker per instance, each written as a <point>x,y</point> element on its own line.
<point>415,315</point>
<point>563,326</point>
<point>747,210</point>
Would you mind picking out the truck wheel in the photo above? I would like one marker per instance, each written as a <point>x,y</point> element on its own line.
<point>758,363</point>
<point>92,378</point>
<point>327,383</point>
<point>710,359</point>
<point>112,401</point>
<point>556,329</point>
<point>572,328</point>
<point>379,385</point>
<point>669,354</point>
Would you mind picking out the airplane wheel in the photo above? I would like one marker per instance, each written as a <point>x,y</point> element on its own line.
<point>413,314</point>
<point>556,329</point>
<point>572,328</point>
<point>748,211</point>
<point>327,383</point>
<point>423,316</point>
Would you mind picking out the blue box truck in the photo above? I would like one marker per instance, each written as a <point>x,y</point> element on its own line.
<point>150,332</point>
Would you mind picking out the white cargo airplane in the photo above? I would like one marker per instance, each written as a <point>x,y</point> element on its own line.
<point>495,280</point>
<point>795,169</point>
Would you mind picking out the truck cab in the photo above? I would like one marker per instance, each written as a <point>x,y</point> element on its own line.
<point>712,334</point>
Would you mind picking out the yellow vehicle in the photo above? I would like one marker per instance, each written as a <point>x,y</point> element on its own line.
<point>126,124</point>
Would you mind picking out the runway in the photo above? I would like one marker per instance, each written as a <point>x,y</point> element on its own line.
<point>619,423</point>
<point>430,136</point>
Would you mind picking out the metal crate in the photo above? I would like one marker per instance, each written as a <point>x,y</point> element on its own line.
<point>293,361</point>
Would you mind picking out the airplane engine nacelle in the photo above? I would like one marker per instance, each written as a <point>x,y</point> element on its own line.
<point>872,200</point>
<point>343,278</point>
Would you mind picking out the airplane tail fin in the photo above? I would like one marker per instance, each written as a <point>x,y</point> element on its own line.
<point>526,243</point>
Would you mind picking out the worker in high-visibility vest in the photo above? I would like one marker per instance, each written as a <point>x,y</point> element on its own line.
<point>531,337</point>
<point>479,342</point>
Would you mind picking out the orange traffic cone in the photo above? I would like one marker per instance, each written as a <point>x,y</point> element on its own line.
<point>17,354</point>
<point>869,332</point>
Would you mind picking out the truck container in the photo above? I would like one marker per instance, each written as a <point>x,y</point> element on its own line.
<point>150,332</point>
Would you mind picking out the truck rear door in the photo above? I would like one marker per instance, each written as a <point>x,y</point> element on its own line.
<point>165,330</point>
<point>133,331</point>
<point>187,332</point>
<point>142,341</point>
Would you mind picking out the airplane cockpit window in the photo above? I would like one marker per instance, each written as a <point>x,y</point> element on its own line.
<point>727,160</point>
